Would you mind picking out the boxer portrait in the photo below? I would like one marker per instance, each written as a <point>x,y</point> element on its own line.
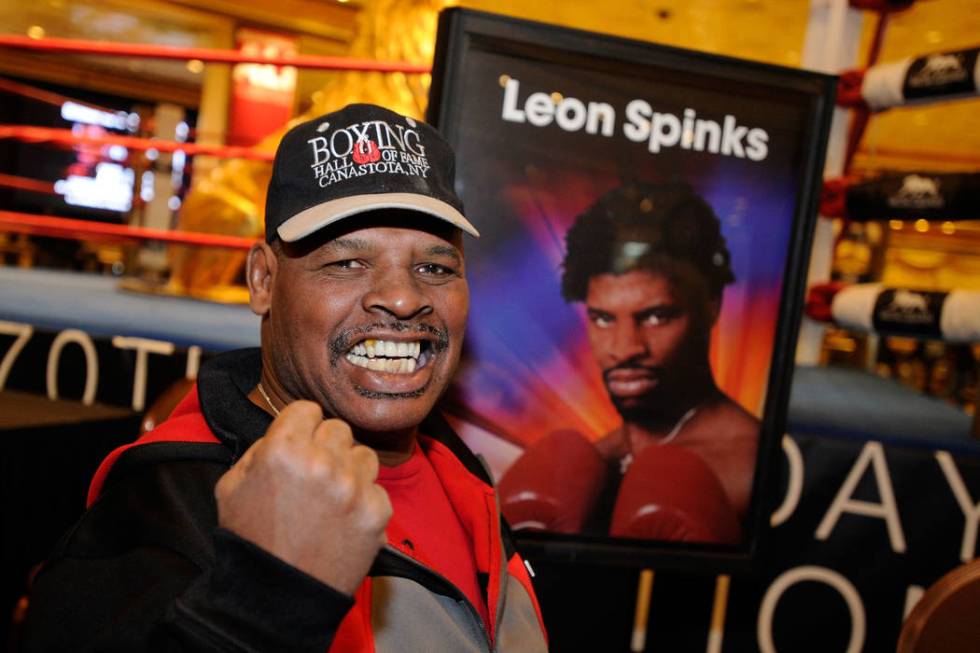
<point>649,264</point>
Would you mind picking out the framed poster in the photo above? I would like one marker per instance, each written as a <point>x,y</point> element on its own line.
<point>645,217</point>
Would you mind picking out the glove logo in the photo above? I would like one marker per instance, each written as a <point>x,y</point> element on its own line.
<point>937,70</point>
<point>366,148</point>
<point>908,312</point>
<point>365,152</point>
<point>917,192</point>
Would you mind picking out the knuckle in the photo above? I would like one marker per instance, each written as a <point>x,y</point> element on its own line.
<point>387,512</point>
<point>365,460</point>
<point>303,408</point>
<point>301,415</point>
<point>381,508</point>
<point>338,428</point>
<point>363,455</point>
<point>279,429</point>
<point>319,467</point>
<point>222,488</point>
<point>275,452</point>
<point>344,489</point>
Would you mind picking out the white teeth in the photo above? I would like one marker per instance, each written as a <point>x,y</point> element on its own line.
<point>388,349</point>
<point>397,365</point>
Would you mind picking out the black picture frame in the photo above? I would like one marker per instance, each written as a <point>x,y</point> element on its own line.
<point>466,41</point>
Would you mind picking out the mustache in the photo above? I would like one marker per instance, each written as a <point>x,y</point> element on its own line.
<point>632,365</point>
<point>340,345</point>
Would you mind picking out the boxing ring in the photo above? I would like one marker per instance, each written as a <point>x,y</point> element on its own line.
<point>831,402</point>
<point>855,442</point>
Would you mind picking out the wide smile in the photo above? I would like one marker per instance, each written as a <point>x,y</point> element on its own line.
<point>397,357</point>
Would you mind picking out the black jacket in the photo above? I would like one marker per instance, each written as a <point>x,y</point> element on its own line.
<point>147,568</point>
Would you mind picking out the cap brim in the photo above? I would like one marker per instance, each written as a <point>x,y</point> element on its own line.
<point>316,217</point>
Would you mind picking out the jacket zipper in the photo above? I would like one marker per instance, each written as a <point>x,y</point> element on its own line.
<point>454,591</point>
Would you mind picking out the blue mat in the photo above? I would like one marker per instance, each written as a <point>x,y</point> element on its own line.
<point>849,403</point>
<point>834,402</point>
<point>56,300</point>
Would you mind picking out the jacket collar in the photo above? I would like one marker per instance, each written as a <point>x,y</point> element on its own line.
<point>223,385</point>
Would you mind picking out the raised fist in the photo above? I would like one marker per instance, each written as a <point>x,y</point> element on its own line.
<point>306,493</point>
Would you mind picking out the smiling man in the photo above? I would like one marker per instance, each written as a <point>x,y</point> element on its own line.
<point>307,495</point>
<point>650,264</point>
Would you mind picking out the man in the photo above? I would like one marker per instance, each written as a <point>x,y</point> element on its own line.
<point>307,495</point>
<point>649,263</point>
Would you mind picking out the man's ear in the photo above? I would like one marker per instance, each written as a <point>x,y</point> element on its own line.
<point>260,272</point>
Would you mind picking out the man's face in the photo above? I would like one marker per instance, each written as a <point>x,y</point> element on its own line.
<point>649,340</point>
<point>369,322</point>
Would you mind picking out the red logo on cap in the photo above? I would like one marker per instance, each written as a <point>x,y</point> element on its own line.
<point>365,152</point>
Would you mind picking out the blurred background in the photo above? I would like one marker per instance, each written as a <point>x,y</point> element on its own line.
<point>100,314</point>
<point>249,105</point>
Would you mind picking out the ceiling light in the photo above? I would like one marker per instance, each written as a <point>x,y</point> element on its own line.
<point>195,66</point>
<point>35,32</point>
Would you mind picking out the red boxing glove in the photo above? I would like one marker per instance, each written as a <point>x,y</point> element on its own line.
<point>669,493</point>
<point>554,485</point>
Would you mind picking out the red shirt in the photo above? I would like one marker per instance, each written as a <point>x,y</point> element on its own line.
<point>423,513</point>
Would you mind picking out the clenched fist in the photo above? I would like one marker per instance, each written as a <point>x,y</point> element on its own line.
<point>305,493</point>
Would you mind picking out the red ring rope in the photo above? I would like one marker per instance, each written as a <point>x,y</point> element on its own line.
<point>41,95</point>
<point>39,225</point>
<point>26,183</point>
<point>210,55</point>
<point>63,137</point>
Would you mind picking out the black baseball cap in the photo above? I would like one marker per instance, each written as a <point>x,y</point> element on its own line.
<point>359,159</point>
